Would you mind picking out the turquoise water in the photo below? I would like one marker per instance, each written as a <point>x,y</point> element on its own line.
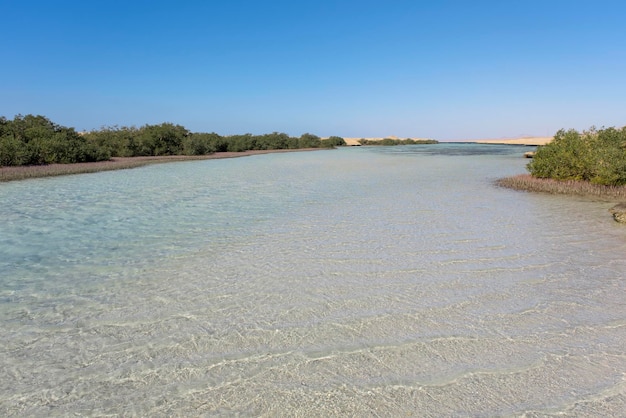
<point>359,281</point>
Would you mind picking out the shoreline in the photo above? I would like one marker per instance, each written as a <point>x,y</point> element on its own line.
<point>528,183</point>
<point>16,173</point>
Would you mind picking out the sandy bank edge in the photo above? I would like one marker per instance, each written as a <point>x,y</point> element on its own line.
<point>121,163</point>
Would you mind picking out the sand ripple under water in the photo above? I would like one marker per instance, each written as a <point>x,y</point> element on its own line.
<point>359,282</point>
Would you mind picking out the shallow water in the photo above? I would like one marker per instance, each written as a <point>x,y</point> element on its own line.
<point>362,281</point>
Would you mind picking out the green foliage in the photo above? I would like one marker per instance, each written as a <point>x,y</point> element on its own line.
<point>309,141</point>
<point>597,156</point>
<point>12,151</point>
<point>333,141</point>
<point>393,141</point>
<point>163,139</point>
<point>240,143</point>
<point>201,144</point>
<point>276,140</point>
<point>116,141</point>
<point>31,140</point>
<point>35,140</point>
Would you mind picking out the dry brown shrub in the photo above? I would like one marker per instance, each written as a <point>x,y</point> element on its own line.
<point>526,182</point>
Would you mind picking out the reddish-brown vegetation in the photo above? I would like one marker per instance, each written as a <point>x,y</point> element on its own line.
<point>529,183</point>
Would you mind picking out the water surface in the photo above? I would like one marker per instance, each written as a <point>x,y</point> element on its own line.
<point>361,281</point>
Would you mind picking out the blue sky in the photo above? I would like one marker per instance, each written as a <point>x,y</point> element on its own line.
<point>438,69</point>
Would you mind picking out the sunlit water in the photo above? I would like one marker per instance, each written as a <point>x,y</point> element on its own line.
<point>361,281</point>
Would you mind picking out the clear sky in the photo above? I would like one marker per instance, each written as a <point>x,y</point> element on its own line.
<point>437,69</point>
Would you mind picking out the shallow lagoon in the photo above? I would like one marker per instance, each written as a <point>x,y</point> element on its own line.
<point>359,281</point>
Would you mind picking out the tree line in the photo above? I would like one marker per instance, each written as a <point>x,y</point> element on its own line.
<point>595,155</point>
<point>36,140</point>
<point>394,141</point>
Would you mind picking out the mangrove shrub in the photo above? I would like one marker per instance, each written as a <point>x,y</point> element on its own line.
<point>32,140</point>
<point>35,140</point>
<point>395,141</point>
<point>597,156</point>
